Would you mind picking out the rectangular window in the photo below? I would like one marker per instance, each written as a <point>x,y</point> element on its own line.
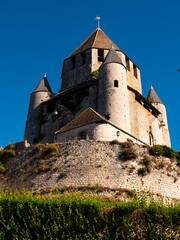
<point>127,63</point>
<point>135,70</point>
<point>100,55</point>
<point>73,62</point>
<point>115,83</point>
<point>82,135</point>
<point>83,57</point>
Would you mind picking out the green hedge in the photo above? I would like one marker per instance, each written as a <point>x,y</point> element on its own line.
<point>24,216</point>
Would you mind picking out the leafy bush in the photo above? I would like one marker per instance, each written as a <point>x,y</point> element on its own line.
<point>178,158</point>
<point>160,165</point>
<point>49,149</point>
<point>168,152</point>
<point>11,146</point>
<point>115,141</point>
<point>39,146</point>
<point>128,151</point>
<point>147,163</point>
<point>142,171</point>
<point>127,144</point>
<point>157,150</point>
<point>6,154</point>
<point>162,150</point>
<point>2,168</point>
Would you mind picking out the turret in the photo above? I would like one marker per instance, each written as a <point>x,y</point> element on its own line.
<point>157,103</point>
<point>33,125</point>
<point>113,101</point>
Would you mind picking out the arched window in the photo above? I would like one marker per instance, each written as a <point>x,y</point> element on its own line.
<point>115,83</point>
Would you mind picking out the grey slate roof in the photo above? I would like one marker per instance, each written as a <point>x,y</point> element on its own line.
<point>43,86</point>
<point>112,57</point>
<point>153,97</point>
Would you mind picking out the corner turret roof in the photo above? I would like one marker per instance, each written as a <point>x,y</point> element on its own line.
<point>153,97</point>
<point>43,86</point>
<point>98,39</point>
<point>112,57</point>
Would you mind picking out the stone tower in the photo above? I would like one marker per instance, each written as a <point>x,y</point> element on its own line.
<point>157,103</point>
<point>113,99</point>
<point>87,58</point>
<point>33,123</point>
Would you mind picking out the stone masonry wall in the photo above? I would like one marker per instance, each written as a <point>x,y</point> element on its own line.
<point>91,163</point>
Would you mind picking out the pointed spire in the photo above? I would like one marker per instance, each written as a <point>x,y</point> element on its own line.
<point>153,97</point>
<point>43,85</point>
<point>112,57</point>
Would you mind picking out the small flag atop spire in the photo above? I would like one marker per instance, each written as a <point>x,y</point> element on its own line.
<point>98,18</point>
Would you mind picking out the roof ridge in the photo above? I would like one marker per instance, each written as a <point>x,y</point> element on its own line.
<point>72,54</point>
<point>95,36</point>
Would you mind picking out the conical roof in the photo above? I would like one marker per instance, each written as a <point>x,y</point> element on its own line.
<point>112,57</point>
<point>43,86</point>
<point>153,97</point>
<point>98,39</point>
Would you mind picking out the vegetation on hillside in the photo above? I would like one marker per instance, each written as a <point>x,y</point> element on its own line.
<point>162,150</point>
<point>28,216</point>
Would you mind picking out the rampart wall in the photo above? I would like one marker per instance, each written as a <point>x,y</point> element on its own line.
<point>91,163</point>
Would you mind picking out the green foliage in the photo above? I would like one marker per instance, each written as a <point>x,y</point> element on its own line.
<point>95,74</point>
<point>7,154</point>
<point>157,150</point>
<point>146,162</point>
<point>28,216</point>
<point>127,144</point>
<point>142,171</point>
<point>2,168</point>
<point>178,158</point>
<point>168,152</point>
<point>11,146</point>
<point>39,146</point>
<point>162,150</point>
<point>115,141</point>
<point>128,151</point>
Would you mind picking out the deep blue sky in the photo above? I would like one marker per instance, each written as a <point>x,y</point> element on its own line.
<point>37,35</point>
